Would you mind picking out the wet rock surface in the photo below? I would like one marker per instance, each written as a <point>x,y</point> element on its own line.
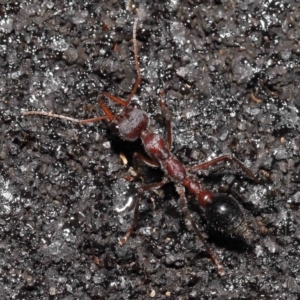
<point>230,73</point>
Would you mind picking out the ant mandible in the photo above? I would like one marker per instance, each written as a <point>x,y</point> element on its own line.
<point>223,213</point>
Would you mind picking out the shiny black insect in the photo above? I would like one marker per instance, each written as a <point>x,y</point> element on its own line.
<point>223,213</point>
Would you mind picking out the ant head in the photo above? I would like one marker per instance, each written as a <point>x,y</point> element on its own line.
<point>132,123</point>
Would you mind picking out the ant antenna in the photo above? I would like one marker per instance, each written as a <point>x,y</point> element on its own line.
<point>135,48</point>
<point>51,115</point>
<point>136,59</point>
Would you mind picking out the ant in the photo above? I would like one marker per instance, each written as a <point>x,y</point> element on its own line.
<point>223,213</point>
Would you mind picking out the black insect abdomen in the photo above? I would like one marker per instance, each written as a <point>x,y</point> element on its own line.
<point>226,216</point>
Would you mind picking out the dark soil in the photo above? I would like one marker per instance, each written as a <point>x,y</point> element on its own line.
<point>230,72</point>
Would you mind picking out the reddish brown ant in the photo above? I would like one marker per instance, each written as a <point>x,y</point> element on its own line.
<point>223,213</point>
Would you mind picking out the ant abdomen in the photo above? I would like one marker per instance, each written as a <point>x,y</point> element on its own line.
<point>227,217</point>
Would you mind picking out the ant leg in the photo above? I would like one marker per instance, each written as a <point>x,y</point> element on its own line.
<point>151,186</point>
<point>106,110</point>
<point>226,157</point>
<point>137,64</point>
<point>184,207</point>
<point>114,98</point>
<point>137,157</point>
<point>148,161</point>
<point>167,120</point>
<point>154,186</point>
<point>124,239</point>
